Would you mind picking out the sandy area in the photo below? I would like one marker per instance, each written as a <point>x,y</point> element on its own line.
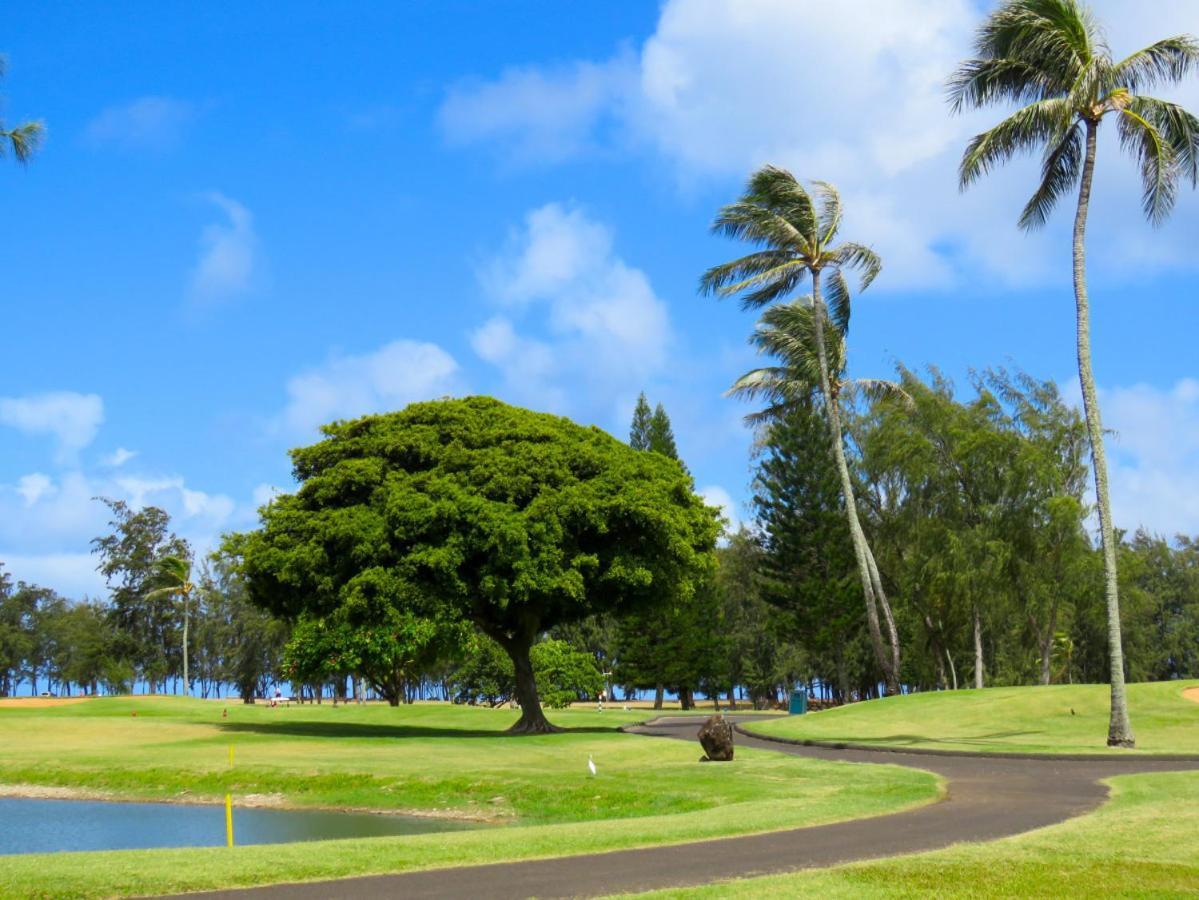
<point>1192,694</point>
<point>35,702</point>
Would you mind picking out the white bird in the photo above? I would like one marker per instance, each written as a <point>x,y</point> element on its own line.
<point>590,763</point>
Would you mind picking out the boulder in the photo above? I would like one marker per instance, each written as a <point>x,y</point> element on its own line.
<point>716,737</point>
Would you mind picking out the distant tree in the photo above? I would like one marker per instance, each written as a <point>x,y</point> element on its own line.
<point>173,577</point>
<point>661,434</point>
<point>513,520</point>
<point>797,233</point>
<point>1051,56</point>
<point>129,557</point>
<point>23,140</point>
<point>639,433</point>
<point>564,674</point>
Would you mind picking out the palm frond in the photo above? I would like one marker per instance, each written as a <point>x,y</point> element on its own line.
<point>1164,62</point>
<point>1022,131</point>
<point>759,224</point>
<point>1059,173</point>
<point>23,141</point>
<point>773,187</point>
<point>860,258</point>
<point>838,299</point>
<point>981,82</point>
<point>876,389</point>
<point>1178,128</point>
<point>1159,165</point>
<point>829,218</point>
<point>732,277</point>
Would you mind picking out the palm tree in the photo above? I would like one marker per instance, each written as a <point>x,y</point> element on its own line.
<point>174,574</point>
<point>22,142</point>
<point>1050,57</point>
<point>796,232</point>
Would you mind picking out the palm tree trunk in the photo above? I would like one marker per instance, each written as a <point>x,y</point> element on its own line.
<point>978,649</point>
<point>186,683</point>
<point>871,586</point>
<point>1119,732</point>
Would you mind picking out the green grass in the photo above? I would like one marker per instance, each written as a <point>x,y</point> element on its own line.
<point>1140,844</point>
<point>1051,719</point>
<point>426,758</point>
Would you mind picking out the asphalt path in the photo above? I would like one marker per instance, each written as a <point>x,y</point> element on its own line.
<point>987,797</point>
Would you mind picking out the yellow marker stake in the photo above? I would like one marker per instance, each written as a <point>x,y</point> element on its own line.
<point>230,756</point>
<point>229,819</point>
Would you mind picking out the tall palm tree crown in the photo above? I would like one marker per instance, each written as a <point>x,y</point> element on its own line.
<point>173,576</point>
<point>1050,58</point>
<point>23,140</point>
<point>796,231</point>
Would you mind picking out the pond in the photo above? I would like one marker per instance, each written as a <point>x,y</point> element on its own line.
<point>42,826</point>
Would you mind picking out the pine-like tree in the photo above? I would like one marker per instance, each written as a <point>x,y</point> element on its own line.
<point>661,434</point>
<point>640,432</point>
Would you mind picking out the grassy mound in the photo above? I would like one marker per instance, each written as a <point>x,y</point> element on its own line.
<point>432,759</point>
<point>1051,719</point>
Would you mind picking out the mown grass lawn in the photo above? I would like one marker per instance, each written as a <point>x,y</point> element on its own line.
<point>1049,719</point>
<point>1139,844</point>
<point>425,758</point>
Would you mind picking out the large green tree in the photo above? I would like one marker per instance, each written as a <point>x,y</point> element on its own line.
<point>514,520</point>
<point>798,235</point>
<point>1050,58</point>
<point>21,141</point>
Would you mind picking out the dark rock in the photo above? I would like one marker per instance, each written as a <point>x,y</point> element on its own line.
<point>716,737</point>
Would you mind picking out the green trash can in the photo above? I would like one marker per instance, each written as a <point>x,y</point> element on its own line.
<point>799,702</point>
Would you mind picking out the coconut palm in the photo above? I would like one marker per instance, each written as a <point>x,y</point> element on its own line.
<point>22,142</point>
<point>1050,58</point>
<point>173,574</point>
<point>796,231</point>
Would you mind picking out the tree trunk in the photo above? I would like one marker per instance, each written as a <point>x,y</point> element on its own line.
<point>978,649</point>
<point>1119,729</point>
<point>953,672</point>
<point>186,683</point>
<point>659,691</point>
<point>871,586</point>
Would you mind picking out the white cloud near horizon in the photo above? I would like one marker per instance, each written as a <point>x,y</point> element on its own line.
<point>848,93</point>
<point>587,319</point>
<point>1153,452</point>
<point>228,257</point>
<point>715,495</point>
<point>382,380</point>
<point>118,458</point>
<point>70,418</point>
<point>146,123</point>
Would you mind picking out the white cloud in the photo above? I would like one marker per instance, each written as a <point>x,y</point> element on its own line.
<point>228,254</point>
<point>118,458</point>
<point>852,93</point>
<point>540,115</point>
<point>1154,456</point>
<point>264,494</point>
<point>599,320</point>
<point>384,380</point>
<point>715,495</point>
<point>152,123</point>
<point>72,419</point>
<point>33,487</point>
<point>72,575</point>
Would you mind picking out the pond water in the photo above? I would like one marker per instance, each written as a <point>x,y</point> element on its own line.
<point>41,826</point>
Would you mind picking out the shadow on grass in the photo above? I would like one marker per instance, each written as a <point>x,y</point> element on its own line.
<point>363,730</point>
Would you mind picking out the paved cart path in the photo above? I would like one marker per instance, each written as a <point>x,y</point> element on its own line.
<point>987,798</point>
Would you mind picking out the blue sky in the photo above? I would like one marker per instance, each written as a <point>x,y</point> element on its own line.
<point>245,223</point>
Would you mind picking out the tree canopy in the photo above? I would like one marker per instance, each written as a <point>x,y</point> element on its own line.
<point>513,520</point>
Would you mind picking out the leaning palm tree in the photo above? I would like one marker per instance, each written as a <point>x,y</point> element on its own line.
<point>22,141</point>
<point>173,575</point>
<point>1049,57</point>
<point>797,233</point>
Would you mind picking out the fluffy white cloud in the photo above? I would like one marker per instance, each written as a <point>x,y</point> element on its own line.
<point>152,123</point>
<point>715,495</point>
<point>118,458</point>
<point>541,115</point>
<point>599,322</point>
<point>228,254</point>
<point>1154,456</point>
<point>33,487</point>
<point>386,379</point>
<point>71,419</point>
<point>72,575</point>
<point>852,93</point>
